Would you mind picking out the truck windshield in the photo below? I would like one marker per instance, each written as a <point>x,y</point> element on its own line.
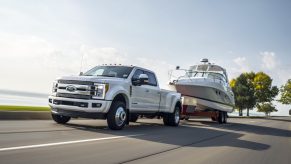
<point>110,71</point>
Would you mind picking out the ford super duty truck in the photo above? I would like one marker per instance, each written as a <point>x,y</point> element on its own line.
<point>119,94</point>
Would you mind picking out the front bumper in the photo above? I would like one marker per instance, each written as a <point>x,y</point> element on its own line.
<point>61,104</point>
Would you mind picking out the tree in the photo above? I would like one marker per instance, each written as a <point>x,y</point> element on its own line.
<point>265,92</point>
<point>244,92</point>
<point>286,93</point>
<point>267,108</point>
<point>252,99</point>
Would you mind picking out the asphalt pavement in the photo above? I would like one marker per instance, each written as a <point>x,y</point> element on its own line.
<point>252,141</point>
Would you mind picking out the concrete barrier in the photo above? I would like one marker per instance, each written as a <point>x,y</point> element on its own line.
<point>25,115</point>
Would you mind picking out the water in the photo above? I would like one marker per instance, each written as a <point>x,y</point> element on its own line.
<point>22,98</point>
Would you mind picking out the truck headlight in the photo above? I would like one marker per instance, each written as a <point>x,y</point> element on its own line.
<point>55,87</point>
<point>100,91</point>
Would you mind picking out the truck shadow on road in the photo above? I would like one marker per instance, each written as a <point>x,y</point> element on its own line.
<point>187,135</point>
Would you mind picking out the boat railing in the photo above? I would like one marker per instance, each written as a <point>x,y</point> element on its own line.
<point>186,76</point>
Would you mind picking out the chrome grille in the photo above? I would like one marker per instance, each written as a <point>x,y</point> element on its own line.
<point>75,89</point>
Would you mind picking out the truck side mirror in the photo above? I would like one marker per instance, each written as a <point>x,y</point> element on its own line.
<point>135,82</point>
<point>141,80</point>
<point>81,73</point>
<point>177,67</point>
<point>144,79</point>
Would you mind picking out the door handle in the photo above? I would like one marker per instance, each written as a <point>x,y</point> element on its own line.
<point>147,90</point>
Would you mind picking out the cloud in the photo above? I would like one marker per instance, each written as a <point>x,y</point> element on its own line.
<point>239,65</point>
<point>270,64</point>
<point>37,62</point>
<point>241,62</point>
<point>160,67</point>
<point>15,45</point>
<point>269,60</point>
<point>93,56</point>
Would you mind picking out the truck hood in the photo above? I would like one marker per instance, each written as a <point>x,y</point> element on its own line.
<point>96,79</point>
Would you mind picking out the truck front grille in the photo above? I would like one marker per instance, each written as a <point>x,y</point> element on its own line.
<point>75,89</point>
<point>75,96</point>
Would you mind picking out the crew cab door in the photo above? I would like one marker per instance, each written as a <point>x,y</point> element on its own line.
<point>152,92</point>
<point>145,97</point>
<point>137,93</point>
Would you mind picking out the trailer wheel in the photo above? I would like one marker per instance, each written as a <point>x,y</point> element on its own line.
<point>116,117</point>
<point>225,117</point>
<point>133,117</point>
<point>60,119</point>
<point>172,119</point>
<point>220,118</point>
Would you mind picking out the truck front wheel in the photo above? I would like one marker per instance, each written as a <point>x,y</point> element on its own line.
<point>60,119</point>
<point>172,119</point>
<point>116,117</point>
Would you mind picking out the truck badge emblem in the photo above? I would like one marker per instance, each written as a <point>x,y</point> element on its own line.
<point>71,88</point>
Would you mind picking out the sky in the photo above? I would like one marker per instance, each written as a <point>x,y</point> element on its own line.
<point>42,40</point>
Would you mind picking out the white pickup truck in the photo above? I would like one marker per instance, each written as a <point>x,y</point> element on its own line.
<point>119,94</point>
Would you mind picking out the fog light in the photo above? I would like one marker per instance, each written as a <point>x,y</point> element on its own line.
<point>84,105</point>
<point>96,105</point>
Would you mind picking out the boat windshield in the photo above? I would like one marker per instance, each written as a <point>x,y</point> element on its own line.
<point>208,71</point>
<point>209,75</point>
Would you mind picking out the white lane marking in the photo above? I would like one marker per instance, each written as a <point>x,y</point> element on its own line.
<point>65,143</point>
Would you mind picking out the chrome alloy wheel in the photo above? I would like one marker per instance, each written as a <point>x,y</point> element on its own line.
<point>120,116</point>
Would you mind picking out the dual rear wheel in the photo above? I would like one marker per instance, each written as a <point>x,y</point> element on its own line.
<point>172,119</point>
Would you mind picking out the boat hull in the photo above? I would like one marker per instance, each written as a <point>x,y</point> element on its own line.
<point>202,98</point>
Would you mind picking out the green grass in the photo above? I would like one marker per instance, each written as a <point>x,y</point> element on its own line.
<point>23,108</point>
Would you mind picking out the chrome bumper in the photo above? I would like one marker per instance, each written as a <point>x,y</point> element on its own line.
<point>79,105</point>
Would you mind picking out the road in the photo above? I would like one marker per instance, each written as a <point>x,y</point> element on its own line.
<point>258,141</point>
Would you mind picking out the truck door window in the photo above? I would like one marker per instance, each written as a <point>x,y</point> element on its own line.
<point>137,73</point>
<point>152,78</point>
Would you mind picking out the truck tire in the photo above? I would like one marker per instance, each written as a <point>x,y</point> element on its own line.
<point>133,117</point>
<point>117,116</point>
<point>172,119</point>
<point>60,119</point>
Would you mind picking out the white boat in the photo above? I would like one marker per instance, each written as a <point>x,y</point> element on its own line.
<point>204,87</point>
